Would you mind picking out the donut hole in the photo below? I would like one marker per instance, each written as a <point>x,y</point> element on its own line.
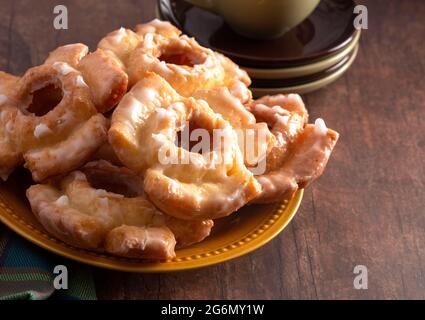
<point>181,57</point>
<point>188,139</point>
<point>45,99</point>
<point>122,184</point>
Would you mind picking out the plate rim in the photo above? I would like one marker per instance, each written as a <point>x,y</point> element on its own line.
<point>303,70</point>
<point>310,86</point>
<point>284,210</point>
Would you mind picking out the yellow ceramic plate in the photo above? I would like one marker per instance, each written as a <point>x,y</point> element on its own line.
<point>236,235</point>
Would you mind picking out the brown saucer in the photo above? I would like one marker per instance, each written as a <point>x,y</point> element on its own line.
<point>290,82</point>
<point>303,88</point>
<point>328,29</point>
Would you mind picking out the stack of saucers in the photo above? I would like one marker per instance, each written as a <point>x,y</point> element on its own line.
<point>312,55</point>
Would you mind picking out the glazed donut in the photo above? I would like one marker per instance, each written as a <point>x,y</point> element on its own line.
<point>306,159</point>
<point>194,186</point>
<point>10,157</point>
<point>107,80</point>
<point>70,54</point>
<point>140,242</point>
<point>286,117</point>
<point>119,44</point>
<point>8,87</point>
<point>240,90</point>
<point>254,138</point>
<point>130,117</point>
<point>121,220</point>
<point>186,65</point>
<point>159,47</point>
<point>158,27</point>
<point>237,80</point>
<point>88,229</point>
<point>300,152</point>
<point>120,180</point>
<point>103,74</point>
<point>59,140</point>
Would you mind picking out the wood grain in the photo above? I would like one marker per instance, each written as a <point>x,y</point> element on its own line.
<point>369,207</point>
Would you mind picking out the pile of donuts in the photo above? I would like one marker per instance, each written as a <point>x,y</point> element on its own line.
<point>90,126</point>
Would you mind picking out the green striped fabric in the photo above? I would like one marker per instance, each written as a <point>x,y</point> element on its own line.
<point>26,272</point>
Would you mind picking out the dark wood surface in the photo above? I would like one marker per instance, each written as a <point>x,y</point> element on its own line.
<point>368,208</point>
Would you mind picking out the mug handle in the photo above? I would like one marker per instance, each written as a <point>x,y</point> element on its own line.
<point>209,5</point>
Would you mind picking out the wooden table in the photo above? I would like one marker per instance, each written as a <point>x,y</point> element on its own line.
<point>369,207</point>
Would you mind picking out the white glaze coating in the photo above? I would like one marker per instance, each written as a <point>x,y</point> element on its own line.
<point>147,94</point>
<point>9,126</point>
<point>240,90</point>
<point>79,176</point>
<point>119,35</point>
<point>104,202</point>
<point>62,201</point>
<point>41,130</point>
<point>3,99</point>
<point>101,193</point>
<point>63,68</point>
<point>79,81</point>
<point>148,42</point>
<point>320,127</point>
<point>163,69</point>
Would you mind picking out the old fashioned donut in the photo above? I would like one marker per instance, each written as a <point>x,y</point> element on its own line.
<point>237,80</point>
<point>8,88</point>
<point>286,117</point>
<point>59,140</point>
<point>119,219</point>
<point>159,47</point>
<point>119,44</point>
<point>140,242</point>
<point>158,27</point>
<point>305,161</point>
<point>300,152</point>
<point>192,185</point>
<point>123,181</point>
<point>254,138</point>
<point>70,54</point>
<point>10,157</point>
<point>107,80</point>
<point>186,65</point>
<point>103,73</point>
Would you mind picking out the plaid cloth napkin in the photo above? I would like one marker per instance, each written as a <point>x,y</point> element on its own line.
<point>26,272</point>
